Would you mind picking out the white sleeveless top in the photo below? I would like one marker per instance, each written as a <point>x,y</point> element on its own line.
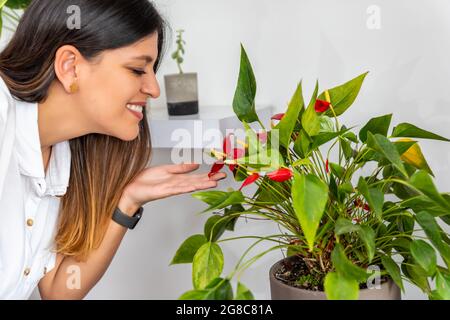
<point>29,204</point>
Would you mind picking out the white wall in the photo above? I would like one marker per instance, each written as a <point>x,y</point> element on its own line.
<point>408,59</point>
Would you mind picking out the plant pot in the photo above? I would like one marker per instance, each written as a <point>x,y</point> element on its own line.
<point>181,93</point>
<point>281,291</point>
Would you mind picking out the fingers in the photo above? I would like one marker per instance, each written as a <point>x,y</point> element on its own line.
<point>218,176</point>
<point>182,168</point>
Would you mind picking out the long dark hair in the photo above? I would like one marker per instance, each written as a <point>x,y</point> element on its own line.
<point>100,167</point>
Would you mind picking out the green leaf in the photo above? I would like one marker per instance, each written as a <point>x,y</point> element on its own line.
<point>215,227</point>
<point>326,124</point>
<point>423,182</point>
<point>386,148</point>
<point>219,199</point>
<point>343,96</point>
<point>338,287</point>
<point>243,293</point>
<point>194,295</point>
<point>2,3</point>
<point>310,119</point>
<point>18,4</point>
<point>351,136</point>
<point>219,289</point>
<point>367,235</point>
<point>421,203</point>
<point>416,274</point>
<point>345,267</point>
<point>433,232</point>
<point>376,125</point>
<point>188,249</point>
<point>287,124</point>
<point>207,265</point>
<point>424,255</point>
<point>393,270</point>
<point>309,195</point>
<point>343,226</point>
<point>443,285</point>
<point>337,170</point>
<point>244,97</point>
<point>302,144</point>
<point>235,208</point>
<point>374,197</point>
<point>346,148</point>
<point>408,130</point>
<point>324,137</point>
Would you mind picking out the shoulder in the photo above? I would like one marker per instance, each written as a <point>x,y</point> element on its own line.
<point>6,101</point>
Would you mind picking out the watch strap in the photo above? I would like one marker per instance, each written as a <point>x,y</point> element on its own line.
<point>125,220</point>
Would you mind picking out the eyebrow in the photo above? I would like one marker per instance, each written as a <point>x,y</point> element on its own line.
<point>147,59</point>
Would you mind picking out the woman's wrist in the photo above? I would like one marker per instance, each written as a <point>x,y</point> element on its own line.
<point>128,207</point>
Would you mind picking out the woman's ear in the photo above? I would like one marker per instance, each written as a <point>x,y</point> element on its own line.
<point>67,60</point>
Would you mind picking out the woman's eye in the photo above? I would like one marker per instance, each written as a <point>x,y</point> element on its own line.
<point>139,72</point>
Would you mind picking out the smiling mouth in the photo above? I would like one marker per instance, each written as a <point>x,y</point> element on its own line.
<point>136,108</point>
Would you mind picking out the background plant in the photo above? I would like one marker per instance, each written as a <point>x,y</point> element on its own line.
<point>310,173</point>
<point>8,13</point>
<point>179,52</point>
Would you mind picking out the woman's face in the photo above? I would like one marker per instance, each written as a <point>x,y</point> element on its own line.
<point>123,79</point>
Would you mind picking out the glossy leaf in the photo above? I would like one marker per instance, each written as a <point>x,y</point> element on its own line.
<point>219,199</point>
<point>244,97</point>
<point>424,255</point>
<point>386,148</point>
<point>345,267</point>
<point>310,119</point>
<point>207,265</point>
<point>408,130</point>
<point>188,249</point>
<point>433,232</point>
<point>422,181</point>
<point>343,96</point>
<point>287,124</point>
<point>309,195</point>
<point>393,270</point>
<point>376,125</point>
<point>243,293</point>
<point>338,287</point>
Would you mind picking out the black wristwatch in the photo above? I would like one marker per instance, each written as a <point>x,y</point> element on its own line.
<point>125,220</point>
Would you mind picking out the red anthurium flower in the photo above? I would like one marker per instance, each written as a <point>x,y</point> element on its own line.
<point>250,179</point>
<point>327,169</point>
<point>227,144</point>
<point>216,168</point>
<point>277,116</point>
<point>237,153</point>
<point>280,175</point>
<point>321,106</point>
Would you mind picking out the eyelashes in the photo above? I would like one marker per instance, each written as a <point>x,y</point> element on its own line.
<point>138,72</point>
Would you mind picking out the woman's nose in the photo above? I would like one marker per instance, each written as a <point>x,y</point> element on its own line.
<point>151,87</point>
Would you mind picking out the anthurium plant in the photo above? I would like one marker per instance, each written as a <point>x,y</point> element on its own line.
<point>345,199</point>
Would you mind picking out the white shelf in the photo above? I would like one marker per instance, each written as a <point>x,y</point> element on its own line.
<point>191,132</point>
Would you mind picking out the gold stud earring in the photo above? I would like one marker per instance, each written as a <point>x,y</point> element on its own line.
<point>74,87</point>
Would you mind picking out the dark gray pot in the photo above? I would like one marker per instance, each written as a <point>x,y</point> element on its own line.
<point>281,291</point>
<point>181,93</point>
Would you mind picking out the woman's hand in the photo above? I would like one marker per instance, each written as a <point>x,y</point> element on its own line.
<point>164,181</point>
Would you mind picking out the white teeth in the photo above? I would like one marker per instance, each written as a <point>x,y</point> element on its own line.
<point>134,107</point>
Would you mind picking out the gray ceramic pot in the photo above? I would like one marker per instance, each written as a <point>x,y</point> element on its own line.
<point>181,93</point>
<point>281,291</point>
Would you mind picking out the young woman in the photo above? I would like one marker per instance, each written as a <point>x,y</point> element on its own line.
<point>75,142</point>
